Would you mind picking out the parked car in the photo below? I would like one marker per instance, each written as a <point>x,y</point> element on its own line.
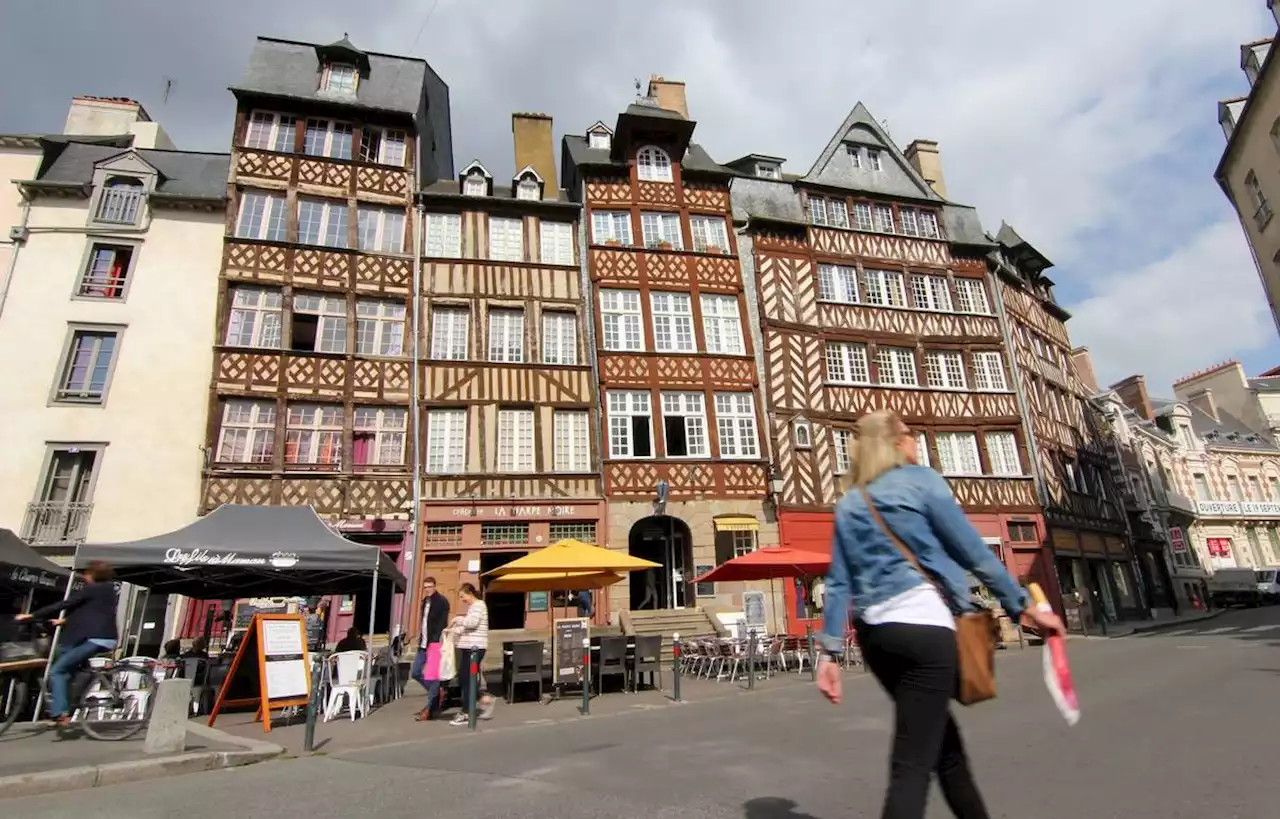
<point>1234,587</point>
<point>1269,584</point>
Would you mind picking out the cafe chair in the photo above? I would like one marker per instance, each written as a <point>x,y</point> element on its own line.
<point>611,662</point>
<point>525,667</point>
<point>350,685</point>
<point>648,660</point>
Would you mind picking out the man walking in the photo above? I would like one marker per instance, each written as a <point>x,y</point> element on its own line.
<point>426,664</point>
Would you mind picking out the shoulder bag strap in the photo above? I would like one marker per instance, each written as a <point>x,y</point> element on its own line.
<point>897,541</point>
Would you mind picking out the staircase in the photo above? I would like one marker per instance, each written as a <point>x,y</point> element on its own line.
<point>666,622</point>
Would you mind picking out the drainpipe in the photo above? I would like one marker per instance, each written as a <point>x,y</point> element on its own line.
<point>19,239</point>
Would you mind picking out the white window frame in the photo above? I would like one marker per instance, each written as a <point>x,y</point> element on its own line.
<point>611,226</point>
<point>271,131</point>
<point>931,293</point>
<point>883,288</point>
<point>971,297</point>
<point>838,283</point>
<point>256,318</point>
<point>622,321</point>
<point>840,440</point>
<point>555,242</point>
<point>709,232</point>
<point>450,328</point>
<point>944,370</point>
<point>379,230</point>
<point>623,407</point>
<point>446,441</point>
<point>571,440</point>
<point>388,435</point>
<point>599,140</point>
<point>380,327</point>
<point>855,154</point>
<point>443,239</point>
<point>653,165</point>
<point>883,215</point>
<point>691,408</point>
<point>722,324</point>
<point>254,434</point>
<point>817,211</point>
<point>506,335</point>
<point>988,372</point>
<point>333,137</point>
<point>659,227</point>
<point>736,425</point>
<point>768,170</point>
<point>958,453</point>
<point>559,337</point>
<point>333,226</point>
<point>896,367</point>
<point>475,184</point>
<point>909,217</point>
<point>331,326</point>
<point>672,322</point>
<point>847,363</point>
<point>527,190</point>
<point>317,440</point>
<point>515,441</point>
<point>875,159</point>
<point>922,449</point>
<point>929,225</point>
<point>120,201</point>
<point>863,217</point>
<point>837,213</point>
<point>262,216</point>
<point>506,239</point>
<point>1002,454</point>
<point>390,147</point>
<point>347,76</point>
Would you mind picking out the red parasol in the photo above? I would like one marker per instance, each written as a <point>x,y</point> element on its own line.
<point>769,563</point>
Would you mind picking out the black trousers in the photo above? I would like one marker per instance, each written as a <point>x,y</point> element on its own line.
<point>918,667</point>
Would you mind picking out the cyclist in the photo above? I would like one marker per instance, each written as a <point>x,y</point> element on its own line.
<point>88,628</point>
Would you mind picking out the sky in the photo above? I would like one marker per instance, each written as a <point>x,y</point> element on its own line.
<point>1090,126</point>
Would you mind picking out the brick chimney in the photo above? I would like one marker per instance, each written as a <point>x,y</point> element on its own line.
<point>1203,401</point>
<point>1082,363</point>
<point>924,157</point>
<point>1133,392</point>
<point>669,94</point>
<point>531,135</point>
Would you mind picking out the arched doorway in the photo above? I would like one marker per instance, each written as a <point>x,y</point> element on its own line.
<point>666,540</point>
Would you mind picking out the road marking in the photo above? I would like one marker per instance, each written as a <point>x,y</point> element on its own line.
<point>1182,632</point>
<point>1260,629</point>
<point>1219,630</point>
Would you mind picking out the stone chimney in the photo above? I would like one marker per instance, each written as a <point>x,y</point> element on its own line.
<point>531,135</point>
<point>1203,401</point>
<point>1082,363</point>
<point>1133,392</point>
<point>669,94</point>
<point>924,157</point>
<point>115,116</point>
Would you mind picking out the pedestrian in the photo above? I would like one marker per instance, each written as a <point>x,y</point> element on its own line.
<point>905,625</point>
<point>584,603</point>
<point>472,630</point>
<point>88,629</point>
<point>426,663</point>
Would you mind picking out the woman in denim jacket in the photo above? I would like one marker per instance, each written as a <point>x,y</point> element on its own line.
<point>906,629</point>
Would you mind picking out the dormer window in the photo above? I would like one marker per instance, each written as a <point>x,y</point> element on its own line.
<point>120,201</point>
<point>340,78</point>
<point>599,140</point>
<point>874,159</point>
<point>528,189</point>
<point>475,185</point>
<point>653,164</point>
<point>768,170</point>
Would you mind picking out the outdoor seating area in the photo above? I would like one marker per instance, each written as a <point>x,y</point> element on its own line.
<point>733,658</point>
<point>621,663</point>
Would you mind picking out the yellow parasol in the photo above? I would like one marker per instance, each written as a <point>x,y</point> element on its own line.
<point>571,555</point>
<point>553,581</point>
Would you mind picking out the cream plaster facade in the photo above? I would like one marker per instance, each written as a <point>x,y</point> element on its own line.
<point>19,158</point>
<point>151,426</point>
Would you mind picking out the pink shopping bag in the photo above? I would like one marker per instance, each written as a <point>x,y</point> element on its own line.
<point>431,671</point>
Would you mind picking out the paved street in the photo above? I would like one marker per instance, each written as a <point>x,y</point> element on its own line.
<point>1176,724</point>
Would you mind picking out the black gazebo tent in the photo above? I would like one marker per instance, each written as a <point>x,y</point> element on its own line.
<point>25,569</point>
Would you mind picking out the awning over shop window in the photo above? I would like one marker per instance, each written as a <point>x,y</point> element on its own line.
<point>736,523</point>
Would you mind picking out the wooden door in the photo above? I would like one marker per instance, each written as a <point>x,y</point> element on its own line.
<point>444,568</point>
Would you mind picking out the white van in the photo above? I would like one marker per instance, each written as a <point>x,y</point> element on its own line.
<point>1234,587</point>
<point>1268,584</point>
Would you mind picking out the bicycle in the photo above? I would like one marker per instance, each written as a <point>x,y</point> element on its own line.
<point>113,698</point>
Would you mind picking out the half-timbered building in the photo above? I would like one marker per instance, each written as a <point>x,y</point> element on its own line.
<point>1084,514</point>
<point>508,398</point>
<point>310,401</point>
<point>684,464</point>
<point>872,292</point>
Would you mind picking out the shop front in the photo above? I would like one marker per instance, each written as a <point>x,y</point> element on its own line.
<point>461,540</point>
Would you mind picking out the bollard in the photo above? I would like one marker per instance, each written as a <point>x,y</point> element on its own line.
<point>675,667</point>
<point>313,706</point>
<point>751,660</point>
<point>586,676</point>
<point>473,684</point>
<point>813,668</point>
<point>170,710</point>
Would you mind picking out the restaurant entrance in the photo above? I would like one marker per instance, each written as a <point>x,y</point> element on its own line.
<point>666,540</point>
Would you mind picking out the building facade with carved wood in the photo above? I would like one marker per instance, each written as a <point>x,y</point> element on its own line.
<point>311,396</point>
<point>872,291</point>
<point>1087,528</point>
<point>509,401</point>
<point>684,463</point>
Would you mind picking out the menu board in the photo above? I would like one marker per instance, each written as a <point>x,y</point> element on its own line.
<point>270,669</point>
<point>566,661</point>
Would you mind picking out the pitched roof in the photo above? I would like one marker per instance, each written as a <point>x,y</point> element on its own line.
<point>695,158</point>
<point>835,169</point>
<point>182,173</point>
<point>1228,431</point>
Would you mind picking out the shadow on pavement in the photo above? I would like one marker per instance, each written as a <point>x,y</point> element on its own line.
<point>772,807</point>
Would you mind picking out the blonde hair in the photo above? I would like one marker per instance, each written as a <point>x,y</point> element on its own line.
<point>874,449</point>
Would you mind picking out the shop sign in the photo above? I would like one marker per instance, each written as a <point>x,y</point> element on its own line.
<point>1218,546</point>
<point>1176,540</point>
<point>513,512</point>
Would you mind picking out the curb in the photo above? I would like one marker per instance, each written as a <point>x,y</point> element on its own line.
<point>1146,627</point>
<point>117,773</point>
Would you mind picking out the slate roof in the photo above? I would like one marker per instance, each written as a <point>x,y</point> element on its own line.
<point>695,159</point>
<point>1265,383</point>
<point>1229,431</point>
<point>449,188</point>
<point>182,173</point>
<point>286,68</point>
<point>834,168</point>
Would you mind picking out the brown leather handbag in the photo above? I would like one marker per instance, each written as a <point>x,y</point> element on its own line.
<point>976,631</point>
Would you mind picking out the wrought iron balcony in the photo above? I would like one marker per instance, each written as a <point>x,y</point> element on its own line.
<point>53,523</point>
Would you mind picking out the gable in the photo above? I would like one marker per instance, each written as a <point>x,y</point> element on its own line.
<point>127,163</point>
<point>835,167</point>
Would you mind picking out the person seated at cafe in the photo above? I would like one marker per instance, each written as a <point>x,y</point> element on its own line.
<point>199,649</point>
<point>172,650</point>
<point>352,642</point>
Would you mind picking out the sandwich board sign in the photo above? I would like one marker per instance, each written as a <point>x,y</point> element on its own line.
<point>271,669</point>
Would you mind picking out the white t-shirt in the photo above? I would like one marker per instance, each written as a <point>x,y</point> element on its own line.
<point>918,606</point>
<point>426,612</point>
